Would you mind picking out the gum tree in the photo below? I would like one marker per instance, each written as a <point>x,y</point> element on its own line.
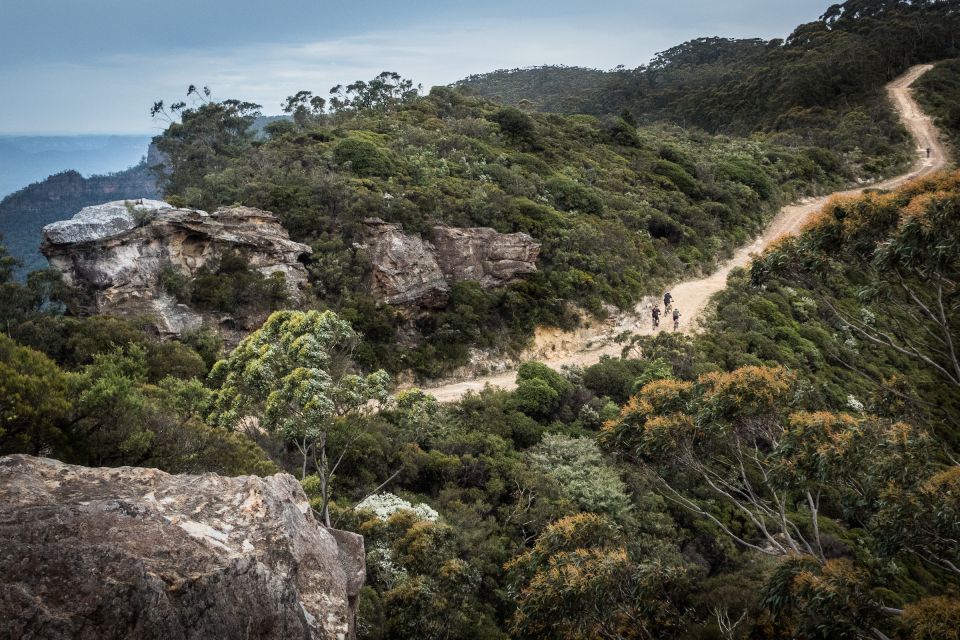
<point>295,376</point>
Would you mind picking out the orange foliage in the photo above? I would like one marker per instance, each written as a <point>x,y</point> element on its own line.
<point>936,618</point>
<point>751,390</point>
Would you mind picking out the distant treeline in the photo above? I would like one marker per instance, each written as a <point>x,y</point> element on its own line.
<point>824,77</point>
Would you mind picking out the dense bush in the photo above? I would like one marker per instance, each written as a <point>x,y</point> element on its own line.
<point>822,86</point>
<point>228,286</point>
<point>616,215</point>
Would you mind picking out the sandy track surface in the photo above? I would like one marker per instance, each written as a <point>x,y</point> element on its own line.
<point>692,296</point>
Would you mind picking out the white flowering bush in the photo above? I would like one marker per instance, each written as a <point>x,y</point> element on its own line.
<point>854,405</point>
<point>382,566</point>
<point>385,505</point>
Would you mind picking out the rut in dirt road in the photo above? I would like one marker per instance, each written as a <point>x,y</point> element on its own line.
<point>692,296</point>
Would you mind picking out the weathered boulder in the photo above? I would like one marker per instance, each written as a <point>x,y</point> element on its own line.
<point>123,552</point>
<point>404,269</point>
<point>101,221</point>
<point>115,255</point>
<point>410,271</point>
<point>482,254</point>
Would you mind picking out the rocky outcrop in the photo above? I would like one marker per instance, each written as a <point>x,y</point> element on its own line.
<point>404,269</point>
<point>481,254</point>
<point>115,255</point>
<point>137,553</point>
<point>24,213</point>
<point>407,270</point>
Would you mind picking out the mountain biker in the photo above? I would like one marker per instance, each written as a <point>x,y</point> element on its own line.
<point>676,319</point>
<point>667,301</point>
<point>655,312</point>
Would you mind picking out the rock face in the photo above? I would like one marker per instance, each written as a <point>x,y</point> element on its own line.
<point>492,259</point>
<point>410,271</point>
<point>116,253</point>
<point>101,221</point>
<point>137,553</point>
<point>405,271</point>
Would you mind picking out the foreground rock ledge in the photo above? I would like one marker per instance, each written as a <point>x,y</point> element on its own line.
<point>138,553</point>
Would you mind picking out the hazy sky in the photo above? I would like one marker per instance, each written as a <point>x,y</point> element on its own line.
<point>96,66</point>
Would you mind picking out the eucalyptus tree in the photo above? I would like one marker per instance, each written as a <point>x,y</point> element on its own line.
<point>295,375</point>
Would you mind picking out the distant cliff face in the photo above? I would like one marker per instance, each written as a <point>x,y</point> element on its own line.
<point>139,553</point>
<point>116,254</point>
<point>24,213</point>
<point>408,271</point>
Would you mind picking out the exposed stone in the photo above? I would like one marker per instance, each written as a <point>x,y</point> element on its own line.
<point>410,271</point>
<point>404,269</point>
<point>102,221</point>
<point>24,213</point>
<point>116,256</point>
<point>137,553</point>
<point>482,254</point>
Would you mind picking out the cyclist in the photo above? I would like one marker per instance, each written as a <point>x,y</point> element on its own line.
<point>667,302</point>
<point>676,319</point>
<point>655,312</point>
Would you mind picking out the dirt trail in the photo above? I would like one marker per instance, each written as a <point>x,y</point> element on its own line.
<point>692,296</point>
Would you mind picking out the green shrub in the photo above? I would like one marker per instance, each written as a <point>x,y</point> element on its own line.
<point>363,157</point>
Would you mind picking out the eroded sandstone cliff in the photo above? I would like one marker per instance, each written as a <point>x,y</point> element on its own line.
<point>410,271</point>
<point>103,553</point>
<point>116,254</point>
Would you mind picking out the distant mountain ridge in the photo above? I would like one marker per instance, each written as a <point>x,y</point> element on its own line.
<point>25,159</point>
<point>24,213</point>
<point>62,193</point>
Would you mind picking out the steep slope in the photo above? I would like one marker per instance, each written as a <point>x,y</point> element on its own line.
<point>692,296</point>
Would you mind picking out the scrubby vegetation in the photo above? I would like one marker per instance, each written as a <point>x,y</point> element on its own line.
<point>229,286</point>
<point>618,210</point>
<point>788,473</point>
<point>821,86</point>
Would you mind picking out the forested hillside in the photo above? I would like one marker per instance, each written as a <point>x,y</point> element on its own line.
<point>618,211</point>
<point>791,472</point>
<point>822,85</point>
<point>789,469</point>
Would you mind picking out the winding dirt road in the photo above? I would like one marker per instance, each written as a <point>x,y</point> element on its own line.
<point>692,296</point>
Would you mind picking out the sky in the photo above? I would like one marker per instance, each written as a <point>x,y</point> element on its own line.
<point>96,66</point>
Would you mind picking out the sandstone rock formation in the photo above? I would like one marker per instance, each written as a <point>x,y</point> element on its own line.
<point>116,253</point>
<point>137,553</point>
<point>410,271</point>
<point>405,270</point>
<point>492,259</point>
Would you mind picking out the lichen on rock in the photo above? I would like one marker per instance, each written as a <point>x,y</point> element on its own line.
<point>139,553</point>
